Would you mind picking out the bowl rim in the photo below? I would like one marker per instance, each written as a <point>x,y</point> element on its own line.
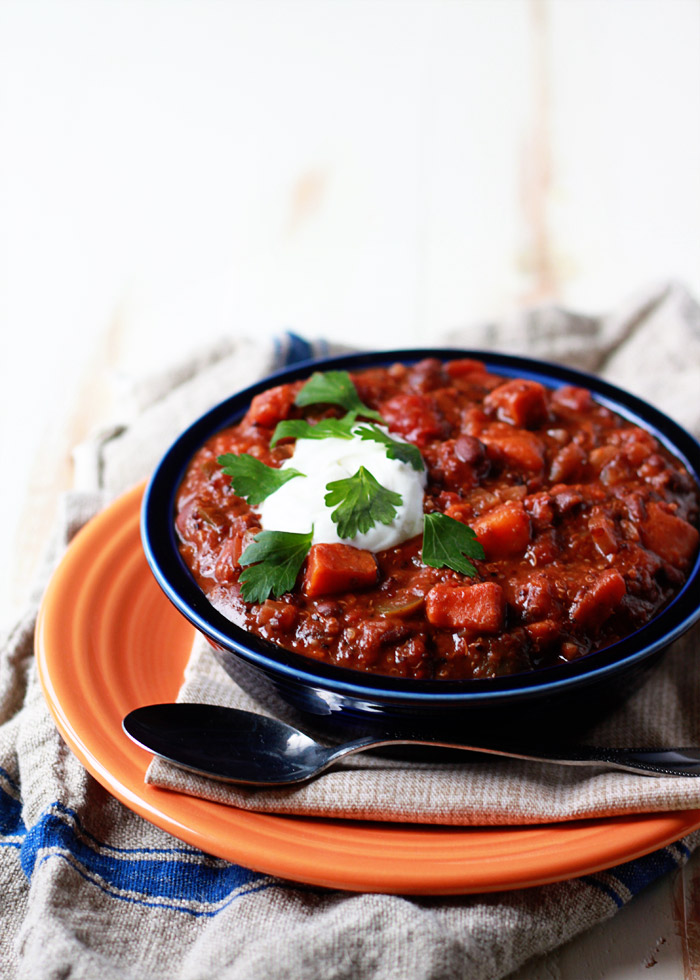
<point>164,559</point>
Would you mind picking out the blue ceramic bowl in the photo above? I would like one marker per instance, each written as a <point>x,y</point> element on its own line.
<point>331,697</point>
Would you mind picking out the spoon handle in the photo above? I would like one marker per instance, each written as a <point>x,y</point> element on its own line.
<point>257,750</point>
<point>647,761</point>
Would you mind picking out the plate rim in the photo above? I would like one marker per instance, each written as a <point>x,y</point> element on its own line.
<point>261,839</point>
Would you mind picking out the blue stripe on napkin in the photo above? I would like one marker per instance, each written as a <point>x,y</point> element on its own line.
<point>627,880</point>
<point>11,823</point>
<point>293,349</point>
<point>180,878</point>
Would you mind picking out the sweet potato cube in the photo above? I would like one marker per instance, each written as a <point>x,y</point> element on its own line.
<point>521,402</point>
<point>338,568</point>
<point>480,607</point>
<point>598,601</point>
<point>670,537</point>
<point>503,532</point>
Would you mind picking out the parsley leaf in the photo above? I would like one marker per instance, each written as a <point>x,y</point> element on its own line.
<point>273,561</point>
<point>323,429</point>
<point>448,543</point>
<point>334,388</point>
<point>253,479</point>
<point>361,502</point>
<point>403,451</point>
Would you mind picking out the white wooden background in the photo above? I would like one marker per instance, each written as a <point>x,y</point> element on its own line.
<point>372,171</point>
<point>171,170</point>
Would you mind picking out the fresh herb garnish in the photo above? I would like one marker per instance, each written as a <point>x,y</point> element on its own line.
<point>406,452</point>
<point>334,388</point>
<point>360,501</point>
<point>448,543</point>
<point>347,428</point>
<point>253,479</point>
<point>273,561</point>
<point>323,429</point>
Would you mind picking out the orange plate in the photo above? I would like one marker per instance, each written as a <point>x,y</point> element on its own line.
<point>108,641</point>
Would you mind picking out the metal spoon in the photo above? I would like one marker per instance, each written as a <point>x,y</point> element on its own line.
<point>242,747</point>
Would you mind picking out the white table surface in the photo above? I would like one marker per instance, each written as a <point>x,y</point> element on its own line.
<point>371,172</point>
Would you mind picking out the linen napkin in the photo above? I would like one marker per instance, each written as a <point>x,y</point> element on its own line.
<point>664,712</point>
<point>91,889</point>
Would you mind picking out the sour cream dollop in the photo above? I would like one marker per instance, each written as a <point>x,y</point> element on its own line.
<point>299,504</point>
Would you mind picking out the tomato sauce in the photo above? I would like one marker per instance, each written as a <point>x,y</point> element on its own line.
<point>588,524</point>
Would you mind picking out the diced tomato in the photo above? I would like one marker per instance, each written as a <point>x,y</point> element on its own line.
<point>461,512</point>
<point>521,402</point>
<point>227,562</point>
<point>638,445</point>
<point>426,375</point>
<point>596,602</point>
<point>568,463</point>
<point>278,615</point>
<point>465,367</point>
<point>544,633</point>
<point>338,568</point>
<point>544,549</point>
<point>540,508</point>
<point>452,471</point>
<point>602,455</point>
<point>574,398</point>
<point>603,531</point>
<point>480,607</point>
<point>414,417</point>
<point>531,595</point>
<point>270,407</point>
<point>517,447</point>
<point>669,536</point>
<point>503,532</point>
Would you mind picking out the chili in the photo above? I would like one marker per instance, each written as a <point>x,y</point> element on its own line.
<point>588,524</point>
